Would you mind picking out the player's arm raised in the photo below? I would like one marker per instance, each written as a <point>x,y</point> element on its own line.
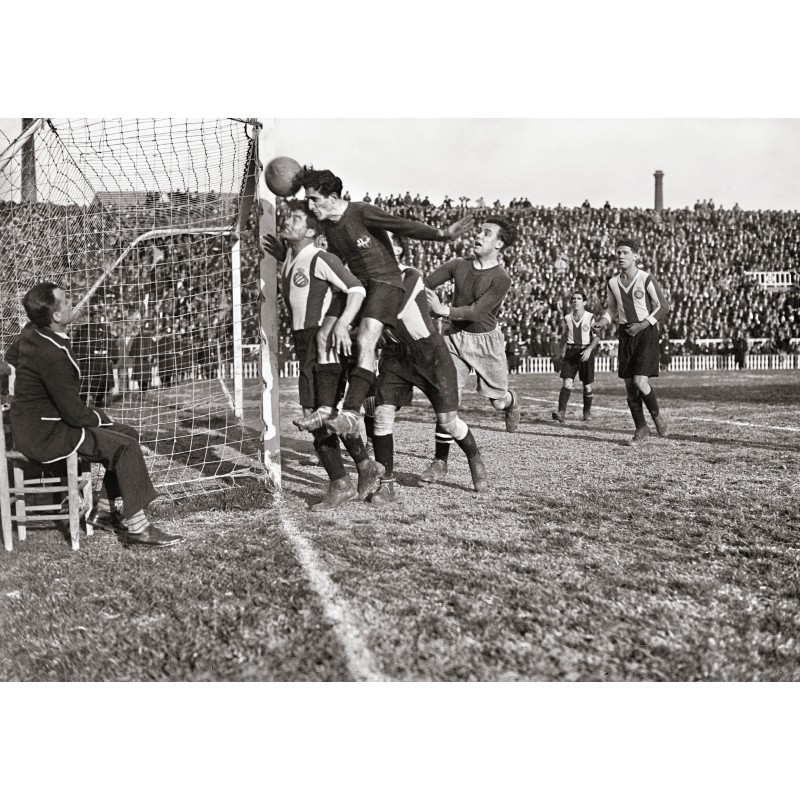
<point>413,229</point>
<point>274,246</point>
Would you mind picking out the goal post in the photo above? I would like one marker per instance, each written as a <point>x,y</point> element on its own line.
<point>152,225</point>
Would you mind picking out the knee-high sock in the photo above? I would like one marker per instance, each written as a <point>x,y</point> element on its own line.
<point>651,402</point>
<point>355,446</point>
<point>384,452</point>
<point>327,446</point>
<point>361,381</point>
<point>563,399</point>
<point>443,442</point>
<point>635,405</point>
<point>468,445</point>
<point>588,396</point>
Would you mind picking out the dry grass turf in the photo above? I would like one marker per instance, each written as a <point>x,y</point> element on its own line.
<point>585,560</point>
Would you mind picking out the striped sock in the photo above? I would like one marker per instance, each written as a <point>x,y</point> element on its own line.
<point>138,523</point>
<point>443,442</point>
<point>103,504</point>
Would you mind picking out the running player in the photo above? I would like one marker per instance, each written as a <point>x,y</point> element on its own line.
<point>313,283</point>
<point>473,336</point>
<point>415,354</point>
<point>357,233</point>
<point>636,299</point>
<point>576,354</point>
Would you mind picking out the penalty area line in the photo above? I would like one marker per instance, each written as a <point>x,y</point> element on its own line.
<point>360,661</point>
<point>683,416</point>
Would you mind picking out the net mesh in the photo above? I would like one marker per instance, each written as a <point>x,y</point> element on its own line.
<point>137,220</point>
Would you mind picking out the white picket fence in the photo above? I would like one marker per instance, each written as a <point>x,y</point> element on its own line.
<point>532,366</point>
<point>544,366</point>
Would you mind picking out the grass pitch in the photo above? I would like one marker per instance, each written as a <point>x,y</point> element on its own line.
<point>585,560</point>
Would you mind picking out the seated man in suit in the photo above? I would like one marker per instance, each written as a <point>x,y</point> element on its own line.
<point>49,420</point>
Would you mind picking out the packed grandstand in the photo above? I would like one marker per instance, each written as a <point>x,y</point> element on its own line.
<point>706,258</point>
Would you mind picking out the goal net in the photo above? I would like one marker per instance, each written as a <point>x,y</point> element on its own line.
<point>146,224</point>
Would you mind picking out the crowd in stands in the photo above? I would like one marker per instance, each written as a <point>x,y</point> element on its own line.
<point>181,284</point>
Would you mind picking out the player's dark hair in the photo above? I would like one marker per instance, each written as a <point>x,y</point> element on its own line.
<point>628,241</point>
<point>507,233</point>
<point>323,180</point>
<point>400,241</point>
<point>302,205</point>
<point>581,293</point>
<point>40,303</point>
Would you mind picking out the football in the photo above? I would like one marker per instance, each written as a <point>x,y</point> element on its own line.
<point>283,176</point>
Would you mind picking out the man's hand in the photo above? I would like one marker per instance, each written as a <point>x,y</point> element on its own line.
<point>557,363</point>
<point>636,328</point>
<point>437,306</point>
<point>274,246</point>
<point>599,326</point>
<point>586,354</point>
<point>340,338</point>
<point>460,227</point>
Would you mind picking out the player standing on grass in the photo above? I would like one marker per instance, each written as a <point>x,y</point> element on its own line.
<point>415,354</point>
<point>636,299</point>
<point>314,284</point>
<point>576,354</point>
<point>473,336</point>
<point>357,233</point>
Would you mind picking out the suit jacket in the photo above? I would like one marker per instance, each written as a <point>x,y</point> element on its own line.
<point>48,417</point>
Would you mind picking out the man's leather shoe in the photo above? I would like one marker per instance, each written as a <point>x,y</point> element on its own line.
<point>108,521</point>
<point>153,536</point>
<point>435,471</point>
<point>369,477</point>
<point>385,494</point>
<point>339,492</point>
<point>480,478</point>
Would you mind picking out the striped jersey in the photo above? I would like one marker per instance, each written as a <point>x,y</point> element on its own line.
<point>414,320</point>
<point>308,283</point>
<point>579,334</point>
<point>641,300</point>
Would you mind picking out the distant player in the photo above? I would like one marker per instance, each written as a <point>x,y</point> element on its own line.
<point>415,354</point>
<point>312,281</point>
<point>472,334</point>
<point>576,354</point>
<point>357,233</point>
<point>636,299</point>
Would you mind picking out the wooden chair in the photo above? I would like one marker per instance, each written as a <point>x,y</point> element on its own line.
<point>76,486</point>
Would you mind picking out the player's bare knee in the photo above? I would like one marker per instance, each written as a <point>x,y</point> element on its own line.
<point>455,426</point>
<point>502,403</point>
<point>568,383</point>
<point>384,420</point>
<point>642,383</point>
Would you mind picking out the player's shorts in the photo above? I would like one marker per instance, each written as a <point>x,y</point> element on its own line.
<point>305,348</point>
<point>638,355</point>
<point>338,302</point>
<point>486,354</point>
<point>384,302</point>
<point>426,364</point>
<point>573,365</point>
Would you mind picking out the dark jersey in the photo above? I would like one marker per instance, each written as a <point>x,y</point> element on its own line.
<point>478,293</point>
<point>359,238</point>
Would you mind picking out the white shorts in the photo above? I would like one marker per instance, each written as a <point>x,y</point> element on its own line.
<point>486,354</point>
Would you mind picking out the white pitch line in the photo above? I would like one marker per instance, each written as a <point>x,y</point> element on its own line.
<point>360,660</point>
<point>680,416</point>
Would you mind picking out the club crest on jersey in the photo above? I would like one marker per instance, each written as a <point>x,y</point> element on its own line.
<point>585,327</point>
<point>638,294</point>
<point>300,279</point>
<point>363,242</point>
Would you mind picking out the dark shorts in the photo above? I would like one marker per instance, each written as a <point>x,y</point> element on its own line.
<point>426,364</point>
<point>573,365</point>
<point>638,355</point>
<point>305,348</point>
<point>384,302</point>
